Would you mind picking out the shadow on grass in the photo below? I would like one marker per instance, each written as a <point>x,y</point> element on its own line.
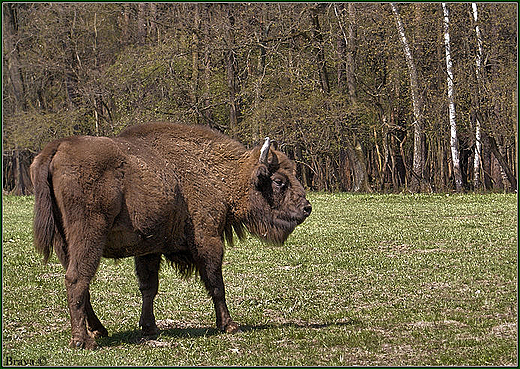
<point>134,337</point>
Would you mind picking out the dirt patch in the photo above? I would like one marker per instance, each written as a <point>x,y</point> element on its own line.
<point>166,324</point>
<point>155,343</point>
<point>506,330</point>
<point>438,324</point>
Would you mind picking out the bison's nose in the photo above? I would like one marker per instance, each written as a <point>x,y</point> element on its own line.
<point>307,209</point>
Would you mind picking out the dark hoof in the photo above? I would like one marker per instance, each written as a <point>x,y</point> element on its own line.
<point>89,344</point>
<point>150,332</point>
<point>232,328</point>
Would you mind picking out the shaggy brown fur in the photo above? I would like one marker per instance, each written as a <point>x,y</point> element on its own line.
<point>157,189</point>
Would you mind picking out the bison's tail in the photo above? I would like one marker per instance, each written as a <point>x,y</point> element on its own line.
<point>47,219</point>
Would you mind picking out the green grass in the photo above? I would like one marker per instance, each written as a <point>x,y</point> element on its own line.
<point>367,280</point>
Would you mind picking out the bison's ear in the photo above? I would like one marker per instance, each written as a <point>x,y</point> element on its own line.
<point>261,176</point>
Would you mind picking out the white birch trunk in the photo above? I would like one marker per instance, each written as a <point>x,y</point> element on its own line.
<point>478,72</point>
<point>416,101</point>
<point>454,142</point>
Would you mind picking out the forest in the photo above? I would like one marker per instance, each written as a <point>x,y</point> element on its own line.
<point>365,97</point>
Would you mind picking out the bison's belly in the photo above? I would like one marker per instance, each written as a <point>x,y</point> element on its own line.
<point>123,242</point>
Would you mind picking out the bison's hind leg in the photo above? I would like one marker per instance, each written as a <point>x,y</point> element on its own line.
<point>94,326</point>
<point>147,270</point>
<point>85,250</point>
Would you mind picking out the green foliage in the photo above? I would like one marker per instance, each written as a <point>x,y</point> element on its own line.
<point>372,280</point>
<point>44,127</point>
<point>148,84</point>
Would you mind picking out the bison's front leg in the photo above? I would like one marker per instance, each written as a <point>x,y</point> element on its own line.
<point>147,270</point>
<point>210,269</point>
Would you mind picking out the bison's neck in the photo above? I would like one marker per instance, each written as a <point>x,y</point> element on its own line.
<point>238,191</point>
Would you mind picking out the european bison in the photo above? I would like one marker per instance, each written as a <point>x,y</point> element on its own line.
<point>157,189</point>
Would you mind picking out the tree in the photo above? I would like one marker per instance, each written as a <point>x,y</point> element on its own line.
<point>10,40</point>
<point>346,51</point>
<point>454,142</point>
<point>478,73</point>
<point>319,48</point>
<point>195,56</point>
<point>231,68</point>
<point>418,152</point>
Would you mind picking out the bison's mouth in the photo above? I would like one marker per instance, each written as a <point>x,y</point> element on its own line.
<point>292,220</point>
<point>298,216</point>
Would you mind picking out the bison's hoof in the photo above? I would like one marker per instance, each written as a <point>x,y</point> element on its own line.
<point>88,344</point>
<point>152,331</point>
<point>100,332</point>
<point>232,328</point>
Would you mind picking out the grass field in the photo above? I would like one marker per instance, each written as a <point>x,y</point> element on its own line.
<point>367,280</point>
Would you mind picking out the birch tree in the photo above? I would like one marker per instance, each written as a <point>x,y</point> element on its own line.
<point>454,142</point>
<point>478,72</point>
<point>418,154</point>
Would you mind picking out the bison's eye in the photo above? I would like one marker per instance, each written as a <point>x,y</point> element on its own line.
<point>279,183</point>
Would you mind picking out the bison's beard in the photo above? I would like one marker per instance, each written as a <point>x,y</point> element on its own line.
<point>273,228</point>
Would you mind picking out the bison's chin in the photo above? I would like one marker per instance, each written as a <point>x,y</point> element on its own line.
<point>273,230</point>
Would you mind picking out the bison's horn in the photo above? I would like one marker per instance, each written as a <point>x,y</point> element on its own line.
<point>264,151</point>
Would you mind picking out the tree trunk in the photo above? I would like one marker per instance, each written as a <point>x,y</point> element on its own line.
<point>346,51</point>
<point>486,163</point>
<point>265,25</point>
<point>351,50</point>
<point>141,23</point>
<point>502,161</point>
<point>11,55</point>
<point>207,111</point>
<point>21,160</point>
<point>301,168</point>
<point>380,159</point>
<point>124,23</point>
<point>320,55</point>
<point>195,46</point>
<point>153,33</point>
<point>357,160</point>
<point>454,142</point>
<point>478,72</point>
<point>231,70</point>
<point>418,152</point>
<point>345,48</point>
<point>341,45</point>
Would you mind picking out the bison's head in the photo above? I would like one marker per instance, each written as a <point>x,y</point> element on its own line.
<point>277,198</point>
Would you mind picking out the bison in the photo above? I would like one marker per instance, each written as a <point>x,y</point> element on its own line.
<point>157,189</point>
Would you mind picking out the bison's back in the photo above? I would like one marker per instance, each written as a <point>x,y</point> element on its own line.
<point>178,134</point>
<point>189,149</point>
